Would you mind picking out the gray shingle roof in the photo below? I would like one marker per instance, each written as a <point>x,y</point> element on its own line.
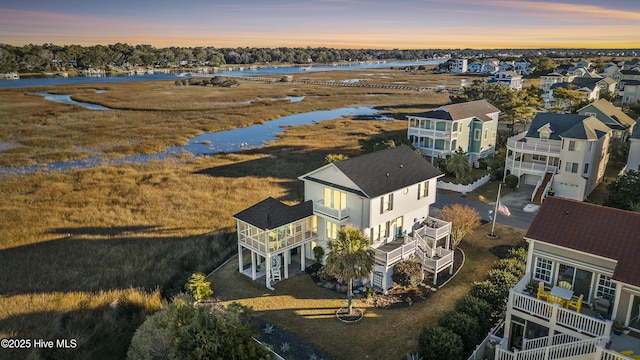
<point>612,111</point>
<point>271,213</point>
<point>478,108</point>
<point>384,171</point>
<point>568,126</point>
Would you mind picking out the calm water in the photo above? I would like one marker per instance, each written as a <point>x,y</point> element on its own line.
<point>211,143</point>
<point>281,70</point>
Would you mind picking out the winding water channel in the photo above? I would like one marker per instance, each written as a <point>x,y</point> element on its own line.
<point>211,143</point>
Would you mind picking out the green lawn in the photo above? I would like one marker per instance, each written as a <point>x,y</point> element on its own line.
<point>300,306</point>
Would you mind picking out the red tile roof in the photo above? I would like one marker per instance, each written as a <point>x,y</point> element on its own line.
<point>598,230</point>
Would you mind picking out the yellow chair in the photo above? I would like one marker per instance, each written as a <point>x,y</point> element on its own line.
<point>564,284</point>
<point>556,299</point>
<point>542,294</point>
<point>575,303</point>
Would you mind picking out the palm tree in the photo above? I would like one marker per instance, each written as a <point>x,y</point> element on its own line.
<point>350,258</point>
<point>458,163</point>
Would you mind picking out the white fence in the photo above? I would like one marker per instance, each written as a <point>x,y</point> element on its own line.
<point>464,188</point>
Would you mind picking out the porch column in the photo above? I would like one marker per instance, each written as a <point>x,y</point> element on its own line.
<point>435,277</point>
<point>253,265</point>
<point>267,265</point>
<point>303,256</point>
<point>240,260</point>
<point>287,256</point>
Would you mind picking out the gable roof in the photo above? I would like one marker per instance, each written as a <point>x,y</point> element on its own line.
<point>271,213</point>
<point>572,126</point>
<point>384,171</point>
<point>611,111</point>
<point>602,231</point>
<point>479,108</point>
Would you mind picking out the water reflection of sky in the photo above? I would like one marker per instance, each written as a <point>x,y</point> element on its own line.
<point>222,141</point>
<point>66,99</point>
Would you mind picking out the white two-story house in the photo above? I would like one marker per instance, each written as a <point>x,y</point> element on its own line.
<point>387,194</point>
<point>471,126</point>
<point>508,78</point>
<point>621,124</point>
<point>564,152</point>
<point>582,274</point>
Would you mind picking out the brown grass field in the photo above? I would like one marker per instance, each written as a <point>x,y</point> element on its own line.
<point>87,253</point>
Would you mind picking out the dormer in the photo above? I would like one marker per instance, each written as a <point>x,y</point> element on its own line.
<point>545,131</point>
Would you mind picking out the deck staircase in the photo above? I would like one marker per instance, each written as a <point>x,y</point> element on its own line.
<point>540,192</point>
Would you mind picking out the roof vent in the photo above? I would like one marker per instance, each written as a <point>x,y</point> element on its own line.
<point>567,212</point>
<point>401,166</point>
<point>387,174</point>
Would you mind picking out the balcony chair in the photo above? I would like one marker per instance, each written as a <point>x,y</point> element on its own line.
<point>556,300</point>
<point>275,268</point>
<point>575,303</point>
<point>543,291</point>
<point>564,284</point>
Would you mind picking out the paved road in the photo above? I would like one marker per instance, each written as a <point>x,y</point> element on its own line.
<point>515,201</point>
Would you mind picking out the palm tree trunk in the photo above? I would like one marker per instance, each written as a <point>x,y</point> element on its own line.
<point>349,286</point>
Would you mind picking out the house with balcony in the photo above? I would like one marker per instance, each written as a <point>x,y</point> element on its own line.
<point>508,78</point>
<point>459,66</point>
<point>621,124</point>
<point>564,152</point>
<point>630,92</point>
<point>471,126</point>
<point>633,160</point>
<point>387,194</point>
<point>582,274</point>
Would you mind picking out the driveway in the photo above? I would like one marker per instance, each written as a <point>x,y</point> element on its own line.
<point>515,201</point>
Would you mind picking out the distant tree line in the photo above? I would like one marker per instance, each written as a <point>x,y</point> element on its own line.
<point>50,57</point>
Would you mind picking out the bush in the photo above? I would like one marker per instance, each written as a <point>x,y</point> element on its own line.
<point>318,254</point>
<point>199,287</point>
<point>511,181</point>
<point>437,343</point>
<point>407,273</point>
<point>477,308</point>
<point>512,265</point>
<point>466,326</point>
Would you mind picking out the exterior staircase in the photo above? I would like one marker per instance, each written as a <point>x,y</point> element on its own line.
<point>540,192</point>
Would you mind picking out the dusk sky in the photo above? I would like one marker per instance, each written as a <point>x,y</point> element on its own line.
<point>404,24</point>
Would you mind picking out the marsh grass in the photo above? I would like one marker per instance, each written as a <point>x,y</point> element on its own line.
<point>148,117</point>
<point>74,241</point>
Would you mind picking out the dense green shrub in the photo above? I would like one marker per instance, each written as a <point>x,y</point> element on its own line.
<point>199,287</point>
<point>477,308</point>
<point>511,181</point>
<point>438,343</point>
<point>503,280</point>
<point>512,265</point>
<point>407,273</point>
<point>318,254</point>
<point>465,325</point>
<point>488,292</point>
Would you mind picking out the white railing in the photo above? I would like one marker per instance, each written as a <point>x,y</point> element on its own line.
<point>513,143</point>
<point>517,165</point>
<point>442,259</point>
<point>560,351</point>
<point>389,258</point>
<point>541,342</point>
<point>432,133</point>
<point>464,188</point>
<point>338,214</point>
<point>434,228</point>
<point>568,318</point>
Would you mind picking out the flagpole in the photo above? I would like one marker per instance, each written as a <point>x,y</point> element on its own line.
<point>495,211</point>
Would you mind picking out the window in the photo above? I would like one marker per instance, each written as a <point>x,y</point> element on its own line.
<point>379,232</point>
<point>455,126</point>
<point>571,167</point>
<point>493,135</point>
<point>542,270</point>
<point>606,287</point>
<point>386,203</point>
<point>332,230</point>
<point>486,134</point>
<point>537,157</point>
<point>589,146</point>
<point>476,135</point>
<point>586,169</point>
<point>572,145</point>
<point>335,199</point>
<point>423,189</point>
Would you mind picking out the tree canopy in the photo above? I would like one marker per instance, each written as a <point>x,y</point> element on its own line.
<point>350,258</point>
<point>624,193</point>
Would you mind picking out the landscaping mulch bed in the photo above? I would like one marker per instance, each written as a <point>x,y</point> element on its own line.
<point>397,297</point>
<point>288,345</point>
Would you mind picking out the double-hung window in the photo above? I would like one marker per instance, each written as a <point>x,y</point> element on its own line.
<point>423,189</point>
<point>386,203</point>
<point>542,270</point>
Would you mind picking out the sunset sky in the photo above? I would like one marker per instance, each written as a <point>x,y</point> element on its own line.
<point>405,24</point>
